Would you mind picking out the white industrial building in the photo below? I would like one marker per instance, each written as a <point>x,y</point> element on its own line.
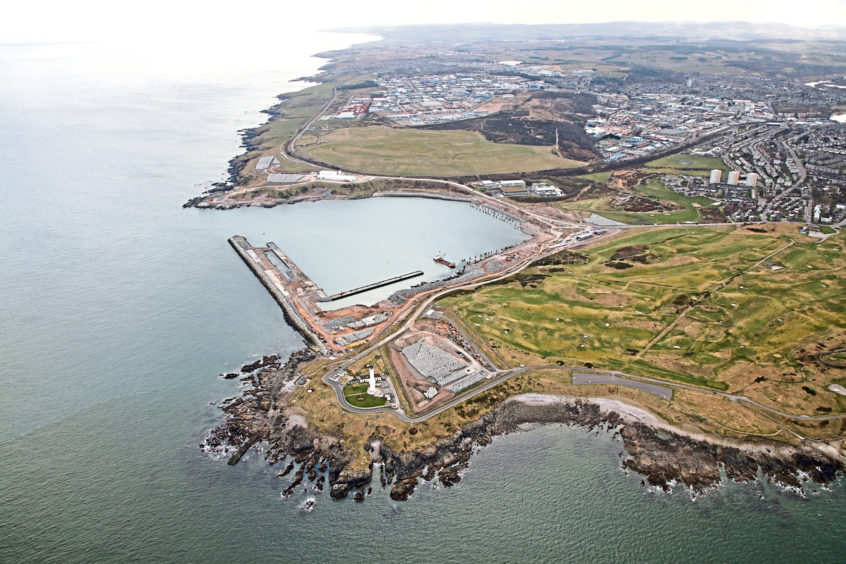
<point>335,176</point>
<point>544,189</point>
<point>752,180</point>
<point>267,162</point>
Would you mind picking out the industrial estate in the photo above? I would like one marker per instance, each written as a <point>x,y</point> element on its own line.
<point>682,207</point>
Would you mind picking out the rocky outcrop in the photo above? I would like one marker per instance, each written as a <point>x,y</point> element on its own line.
<point>347,480</point>
<point>270,361</point>
<point>251,417</point>
<point>663,458</point>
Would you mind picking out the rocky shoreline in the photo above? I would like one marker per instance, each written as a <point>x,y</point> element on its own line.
<point>661,456</point>
<point>202,202</point>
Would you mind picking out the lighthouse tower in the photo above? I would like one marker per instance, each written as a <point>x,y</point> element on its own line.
<point>372,387</point>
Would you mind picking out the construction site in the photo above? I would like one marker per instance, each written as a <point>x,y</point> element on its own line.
<point>434,362</point>
<point>336,330</point>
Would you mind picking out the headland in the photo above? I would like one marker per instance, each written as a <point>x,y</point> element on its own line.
<point>694,318</point>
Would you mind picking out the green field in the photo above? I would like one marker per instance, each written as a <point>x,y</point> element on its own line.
<point>297,109</point>
<point>748,322</point>
<point>655,189</point>
<point>685,163</point>
<point>354,392</point>
<point>293,113</point>
<point>597,176</point>
<point>417,152</point>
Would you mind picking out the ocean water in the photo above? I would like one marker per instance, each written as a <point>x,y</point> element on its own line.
<point>119,309</point>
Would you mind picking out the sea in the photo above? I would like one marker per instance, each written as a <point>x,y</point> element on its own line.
<point>120,309</point>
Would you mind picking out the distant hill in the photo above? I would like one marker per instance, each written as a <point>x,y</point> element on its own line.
<point>692,31</point>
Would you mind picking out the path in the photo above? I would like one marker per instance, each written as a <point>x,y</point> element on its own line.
<point>503,375</point>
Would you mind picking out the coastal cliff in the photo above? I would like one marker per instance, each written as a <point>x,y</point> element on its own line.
<point>663,457</point>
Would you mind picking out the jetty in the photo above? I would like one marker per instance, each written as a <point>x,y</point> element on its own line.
<point>372,286</point>
<point>274,285</point>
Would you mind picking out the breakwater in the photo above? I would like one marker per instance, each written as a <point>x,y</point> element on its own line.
<point>274,286</point>
<point>368,287</point>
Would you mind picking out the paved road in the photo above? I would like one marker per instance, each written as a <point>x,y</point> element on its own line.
<point>662,392</point>
<point>289,146</point>
<point>503,375</point>
<point>732,397</point>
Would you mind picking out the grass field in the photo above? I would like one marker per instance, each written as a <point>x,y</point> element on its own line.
<point>685,163</point>
<point>296,110</point>
<point>748,332</point>
<point>357,395</point>
<point>293,112</point>
<point>597,176</point>
<point>653,188</point>
<point>416,152</point>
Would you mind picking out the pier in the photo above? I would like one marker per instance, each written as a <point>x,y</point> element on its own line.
<point>372,286</point>
<point>497,213</point>
<point>275,286</point>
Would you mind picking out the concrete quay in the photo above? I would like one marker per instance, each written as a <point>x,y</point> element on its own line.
<point>270,281</point>
<point>374,285</point>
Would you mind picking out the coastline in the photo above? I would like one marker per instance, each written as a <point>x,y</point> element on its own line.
<point>662,454</point>
<point>321,195</point>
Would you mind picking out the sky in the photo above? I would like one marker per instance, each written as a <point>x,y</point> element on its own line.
<point>177,22</point>
<point>136,40</point>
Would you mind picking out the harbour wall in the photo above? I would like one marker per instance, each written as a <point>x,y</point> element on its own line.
<point>372,286</point>
<point>241,246</point>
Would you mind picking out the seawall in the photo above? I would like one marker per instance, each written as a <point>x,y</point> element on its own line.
<point>374,285</point>
<point>241,247</point>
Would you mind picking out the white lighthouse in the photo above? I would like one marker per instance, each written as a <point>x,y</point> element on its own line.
<point>371,389</point>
